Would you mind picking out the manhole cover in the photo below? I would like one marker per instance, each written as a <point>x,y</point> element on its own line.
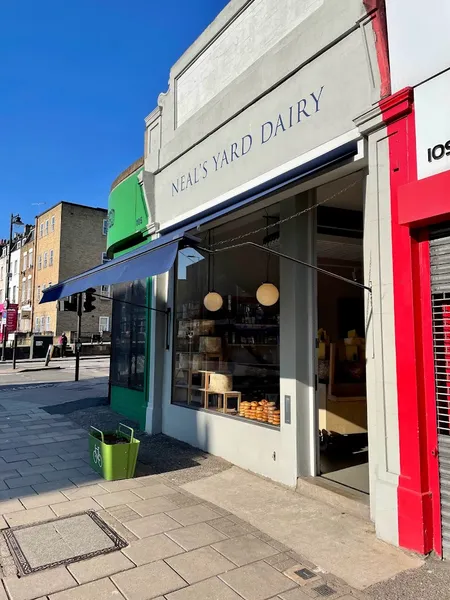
<point>324,590</point>
<point>61,542</point>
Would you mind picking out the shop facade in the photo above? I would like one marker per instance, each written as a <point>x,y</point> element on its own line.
<point>128,229</point>
<point>263,155</point>
<point>418,124</point>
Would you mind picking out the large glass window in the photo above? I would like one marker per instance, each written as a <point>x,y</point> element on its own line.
<point>227,326</point>
<point>128,342</point>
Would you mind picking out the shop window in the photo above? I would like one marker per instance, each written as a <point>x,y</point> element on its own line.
<point>128,339</point>
<point>226,330</point>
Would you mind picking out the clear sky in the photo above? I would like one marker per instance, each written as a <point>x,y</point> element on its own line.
<point>77,79</point>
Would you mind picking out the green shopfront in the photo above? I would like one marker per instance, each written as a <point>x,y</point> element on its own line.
<point>128,218</point>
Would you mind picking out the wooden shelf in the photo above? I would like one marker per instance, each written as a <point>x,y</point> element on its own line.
<point>261,345</point>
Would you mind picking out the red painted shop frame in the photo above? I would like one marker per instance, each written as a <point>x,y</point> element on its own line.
<point>415,204</point>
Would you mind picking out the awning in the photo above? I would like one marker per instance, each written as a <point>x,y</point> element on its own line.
<point>152,259</point>
<point>159,256</point>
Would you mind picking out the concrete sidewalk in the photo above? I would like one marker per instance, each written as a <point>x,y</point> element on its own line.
<point>190,535</point>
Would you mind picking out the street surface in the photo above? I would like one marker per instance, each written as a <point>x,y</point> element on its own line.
<point>196,527</point>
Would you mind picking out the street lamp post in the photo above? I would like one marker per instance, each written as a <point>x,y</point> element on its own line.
<point>15,220</point>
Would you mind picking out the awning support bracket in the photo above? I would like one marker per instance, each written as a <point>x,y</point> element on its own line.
<point>291,258</point>
<point>167,312</point>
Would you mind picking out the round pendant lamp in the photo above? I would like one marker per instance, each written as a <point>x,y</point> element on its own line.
<point>267,294</point>
<point>213,301</point>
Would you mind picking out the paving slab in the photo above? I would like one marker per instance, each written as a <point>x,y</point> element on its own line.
<point>245,549</point>
<point>123,513</point>
<point>258,581</point>
<point>151,491</point>
<point>116,498</point>
<point>74,506</point>
<point>121,485</point>
<point>82,480</point>
<point>152,525</point>
<point>39,584</point>
<point>196,536</point>
<point>51,486</point>
<point>25,517</point>
<point>3,595</point>
<point>10,506</point>
<point>296,594</point>
<point>193,514</point>
<point>100,566</point>
<point>124,533</point>
<point>148,581</point>
<point>199,564</point>
<point>103,589</point>
<point>151,549</point>
<point>64,474</point>
<point>210,589</point>
<point>228,527</point>
<point>43,499</point>
<point>153,506</point>
<point>18,482</point>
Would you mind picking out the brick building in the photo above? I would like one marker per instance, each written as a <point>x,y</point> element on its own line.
<point>70,239</point>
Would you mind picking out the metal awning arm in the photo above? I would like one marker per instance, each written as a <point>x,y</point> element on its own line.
<point>291,258</point>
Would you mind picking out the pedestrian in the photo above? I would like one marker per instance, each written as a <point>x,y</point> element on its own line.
<point>63,344</point>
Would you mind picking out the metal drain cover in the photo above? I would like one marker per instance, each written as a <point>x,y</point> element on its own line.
<point>324,590</point>
<point>305,574</point>
<point>61,542</point>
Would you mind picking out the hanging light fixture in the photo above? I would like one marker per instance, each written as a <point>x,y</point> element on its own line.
<point>213,301</point>
<point>267,294</point>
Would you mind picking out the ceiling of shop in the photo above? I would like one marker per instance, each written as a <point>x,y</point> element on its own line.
<point>339,249</point>
<point>351,199</point>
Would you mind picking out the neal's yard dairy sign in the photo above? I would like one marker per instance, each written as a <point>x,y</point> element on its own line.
<point>293,116</point>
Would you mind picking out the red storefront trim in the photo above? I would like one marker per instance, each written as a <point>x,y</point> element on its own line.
<point>418,488</point>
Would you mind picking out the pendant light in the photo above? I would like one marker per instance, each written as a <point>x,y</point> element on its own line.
<point>212,301</point>
<point>267,294</point>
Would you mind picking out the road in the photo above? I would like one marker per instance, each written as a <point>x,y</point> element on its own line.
<point>95,368</point>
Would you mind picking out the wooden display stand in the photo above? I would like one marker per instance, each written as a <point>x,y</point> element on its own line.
<point>342,406</point>
<point>223,396</point>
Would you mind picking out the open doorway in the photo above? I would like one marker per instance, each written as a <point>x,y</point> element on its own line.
<point>341,362</point>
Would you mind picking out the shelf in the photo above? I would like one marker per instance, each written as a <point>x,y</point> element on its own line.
<point>259,345</point>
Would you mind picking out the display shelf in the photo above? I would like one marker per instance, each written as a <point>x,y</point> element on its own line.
<point>255,344</point>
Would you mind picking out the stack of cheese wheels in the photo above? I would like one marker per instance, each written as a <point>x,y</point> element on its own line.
<point>259,412</point>
<point>252,411</point>
<point>244,409</point>
<point>265,412</point>
<point>271,408</point>
<point>276,418</point>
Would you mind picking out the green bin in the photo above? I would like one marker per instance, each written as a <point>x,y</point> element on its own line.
<point>113,460</point>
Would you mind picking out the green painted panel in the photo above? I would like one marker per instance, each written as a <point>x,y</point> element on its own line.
<point>127,212</point>
<point>130,404</point>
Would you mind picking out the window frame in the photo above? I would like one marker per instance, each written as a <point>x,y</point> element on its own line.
<point>50,258</point>
<point>105,227</point>
<point>45,260</point>
<point>52,223</point>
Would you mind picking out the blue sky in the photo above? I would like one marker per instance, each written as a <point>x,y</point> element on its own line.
<point>76,81</point>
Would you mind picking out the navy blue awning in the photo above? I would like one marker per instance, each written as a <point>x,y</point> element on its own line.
<point>152,259</point>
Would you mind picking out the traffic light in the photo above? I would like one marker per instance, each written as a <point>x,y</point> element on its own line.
<point>89,298</point>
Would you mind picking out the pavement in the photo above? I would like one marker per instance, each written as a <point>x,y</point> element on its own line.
<point>194,526</point>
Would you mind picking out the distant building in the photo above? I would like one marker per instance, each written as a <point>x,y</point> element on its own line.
<point>70,239</point>
<point>26,268</point>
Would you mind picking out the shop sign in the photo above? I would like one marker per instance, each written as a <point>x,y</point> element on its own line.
<point>433,126</point>
<point>313,107</point>
<point>290,117</point>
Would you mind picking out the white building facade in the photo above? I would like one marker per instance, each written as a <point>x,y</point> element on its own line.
<point>271,132</point>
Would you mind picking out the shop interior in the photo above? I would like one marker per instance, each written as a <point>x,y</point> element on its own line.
<point>341,389</point>
<point>226,350</point>
<point>228,324</point>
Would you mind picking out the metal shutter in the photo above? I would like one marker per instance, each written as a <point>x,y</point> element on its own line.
<point>440,298</point>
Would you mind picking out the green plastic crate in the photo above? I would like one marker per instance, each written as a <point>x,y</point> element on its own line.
<point>113,461</point>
